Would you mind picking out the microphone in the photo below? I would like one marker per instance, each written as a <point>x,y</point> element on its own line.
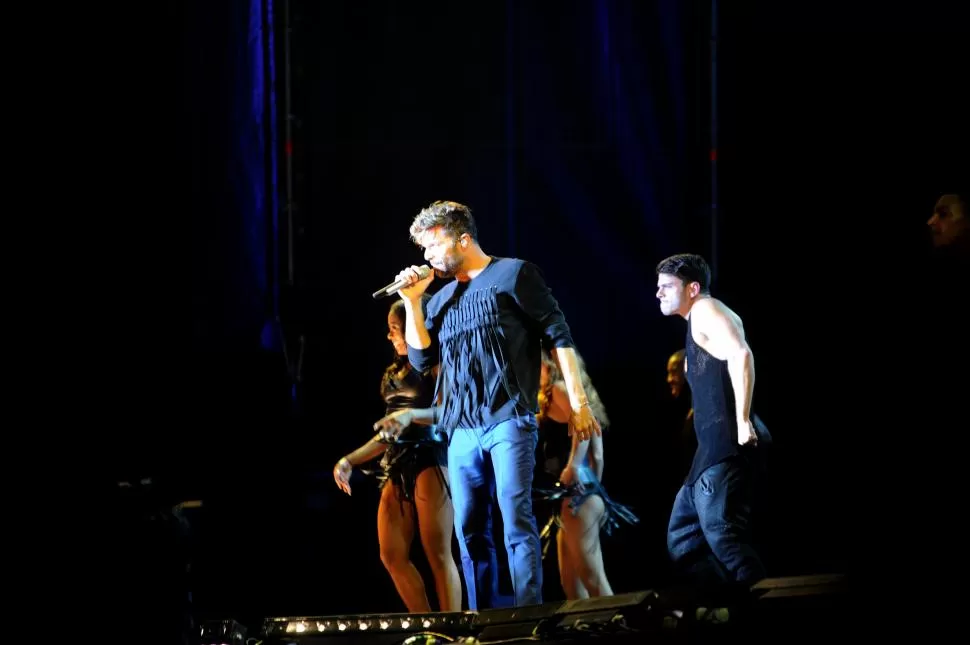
<point>391,289</point>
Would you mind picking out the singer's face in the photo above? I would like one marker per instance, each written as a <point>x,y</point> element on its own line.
<point>395,334</point>
<point>442,252</point>
<point>672,294</point>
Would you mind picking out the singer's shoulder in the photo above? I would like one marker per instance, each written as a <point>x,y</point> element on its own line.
<point>504,270</point>
<point>514,271</point>
<point>523,269</point>
<point>512,265</point>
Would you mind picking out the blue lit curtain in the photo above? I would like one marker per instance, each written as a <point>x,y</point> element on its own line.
<point>230,103</point>
<point>253,169</point>
<point>606,107</point>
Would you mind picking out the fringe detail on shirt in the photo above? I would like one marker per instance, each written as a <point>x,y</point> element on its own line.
<point>471,347</point>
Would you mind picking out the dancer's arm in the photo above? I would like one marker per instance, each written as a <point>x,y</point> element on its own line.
<point>345,465</point>
<point>593,448</point>
<point>370,450</point>
<point>390,427</point>
<point>725,336</point>
<point>559,409</point>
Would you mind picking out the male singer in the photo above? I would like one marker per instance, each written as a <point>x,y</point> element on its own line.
<point>485,329</point>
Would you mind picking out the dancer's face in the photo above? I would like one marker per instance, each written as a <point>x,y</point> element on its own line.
<point>395,334</point>
<point>675,297</point>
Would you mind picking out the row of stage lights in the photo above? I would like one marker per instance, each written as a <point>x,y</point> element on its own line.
<point>404,623</point>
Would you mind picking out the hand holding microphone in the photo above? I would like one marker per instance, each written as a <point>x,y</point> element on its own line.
<point>410,283</point>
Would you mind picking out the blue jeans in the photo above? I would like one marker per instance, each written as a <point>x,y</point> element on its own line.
<point>484,463</point>
<point>709,535</point>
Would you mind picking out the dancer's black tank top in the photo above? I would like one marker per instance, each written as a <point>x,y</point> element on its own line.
<point>715,421</point>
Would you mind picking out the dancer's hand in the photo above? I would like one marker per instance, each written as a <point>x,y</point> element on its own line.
<point>341,474</point>
<point>568,477</point>
<point>583,424</point>
<point>391,426</point>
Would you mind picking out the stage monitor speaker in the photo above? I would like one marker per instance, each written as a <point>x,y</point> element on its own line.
<point>222,632</point>
<point>563,619</point>
<point>830,586</point>
<point>772,610</point>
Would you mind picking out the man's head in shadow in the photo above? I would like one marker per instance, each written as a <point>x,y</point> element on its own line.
<point>949,224</point>
<point>676,380</point>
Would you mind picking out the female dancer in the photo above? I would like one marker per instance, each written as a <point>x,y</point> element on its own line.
<point>585,508</point>
<point>413,488</point>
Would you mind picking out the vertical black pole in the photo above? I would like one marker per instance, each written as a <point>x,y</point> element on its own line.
<point>713,149</point>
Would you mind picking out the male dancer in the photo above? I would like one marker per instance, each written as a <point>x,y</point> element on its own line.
<point>486,329</point>
<point>709,529</point>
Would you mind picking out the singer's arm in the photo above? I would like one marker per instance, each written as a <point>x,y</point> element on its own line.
<point>415,332</point>
<point>565,358</point>
<point>422,348</point>
<point>535,297</point>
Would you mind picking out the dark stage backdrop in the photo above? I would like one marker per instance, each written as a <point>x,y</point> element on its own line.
<point>579,136</point>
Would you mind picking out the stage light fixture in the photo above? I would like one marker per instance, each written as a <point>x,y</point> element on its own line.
<point>458,622</point>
